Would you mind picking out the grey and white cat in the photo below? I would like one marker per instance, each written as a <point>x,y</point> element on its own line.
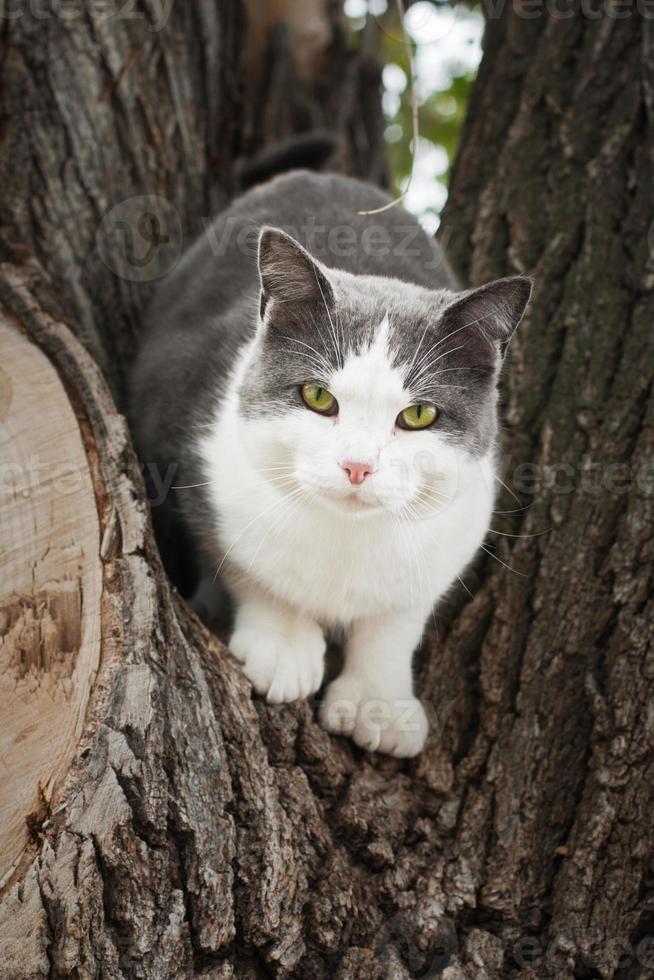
<point>331,397</point>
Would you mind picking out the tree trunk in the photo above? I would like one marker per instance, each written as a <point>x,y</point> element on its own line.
<point>159,821</point>
<point>560,750</point>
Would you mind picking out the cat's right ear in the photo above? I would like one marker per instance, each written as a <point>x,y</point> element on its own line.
<point>288,273</point>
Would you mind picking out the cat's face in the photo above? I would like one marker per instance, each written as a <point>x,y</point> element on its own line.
<point>366,393</point>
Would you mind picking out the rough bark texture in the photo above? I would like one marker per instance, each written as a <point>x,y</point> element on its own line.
<point>562,750</point>
<point>200,832</point>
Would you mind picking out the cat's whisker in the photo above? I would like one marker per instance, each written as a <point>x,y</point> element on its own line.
<point>459,368</point>
<point>293,494</point>
<point>314,356</point>
<point>397,521</point>
<point>192,486</point>
<point>337,351</point>
<point>492,555</point>
<point>420,561</point>
<point>271,475</point>
<point>413,359</point>
<point>429,510</point>
<point>412,553</point>
<point>512,513</point>
<point>271,467</point>
<point>515,497</point>
<point>271,479</point>
<point>427,494</point>
<point>276,474</point>
<point>278,522</point>
<point>318,371</point>
<point>433,612</point>
<point>427,389</point>
<point>428,353</point>
<point>505,534</point>
<point>427,485</point>
<point>458,577</point>
<point>465,587</point>
<point>277,481</point>
<point>277,467</point>
<point>415,381</point>
<point>435,360</point>
<point>429,370</point>
<point>423,497</point>
<point>309,347</point>
<point>470,323</point>
<point>434,491</point>
<point>429,367</point>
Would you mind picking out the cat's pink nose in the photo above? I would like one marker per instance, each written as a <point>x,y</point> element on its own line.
<point>356,472</point>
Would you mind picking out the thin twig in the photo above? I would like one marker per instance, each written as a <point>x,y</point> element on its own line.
<point>414,116</point>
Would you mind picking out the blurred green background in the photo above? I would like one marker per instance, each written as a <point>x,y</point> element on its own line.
<point>445,41</point>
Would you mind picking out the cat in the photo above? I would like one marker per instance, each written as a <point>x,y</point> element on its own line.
<point>328,394</point>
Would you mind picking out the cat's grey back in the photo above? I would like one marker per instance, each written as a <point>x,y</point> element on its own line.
<point>321,211</point>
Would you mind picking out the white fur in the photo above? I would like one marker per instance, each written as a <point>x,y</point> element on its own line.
<point>370,560</point>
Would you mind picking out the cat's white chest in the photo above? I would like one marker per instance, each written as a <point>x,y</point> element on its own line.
<point>341,570</point>
<point>336,573</point>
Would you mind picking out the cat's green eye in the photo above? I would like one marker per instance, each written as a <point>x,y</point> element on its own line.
<point>419,416</point>
<point>318,399</point>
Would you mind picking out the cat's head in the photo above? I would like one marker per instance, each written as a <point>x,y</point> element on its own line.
<point>367,393</point>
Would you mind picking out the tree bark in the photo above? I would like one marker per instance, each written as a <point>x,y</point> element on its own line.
<point>562,748</point>
<point>193,830</point>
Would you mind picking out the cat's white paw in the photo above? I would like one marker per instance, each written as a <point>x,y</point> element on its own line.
<point>376,721</point>
<point>283,666</point>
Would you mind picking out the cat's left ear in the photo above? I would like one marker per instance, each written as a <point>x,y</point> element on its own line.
<point>486,318</point>
<point>288,272</point>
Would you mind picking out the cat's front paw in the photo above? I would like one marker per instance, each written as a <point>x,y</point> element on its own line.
<point>284,667</point>
<point>377,721</point>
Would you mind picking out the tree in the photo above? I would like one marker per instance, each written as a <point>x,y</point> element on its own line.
<point>160,822</point>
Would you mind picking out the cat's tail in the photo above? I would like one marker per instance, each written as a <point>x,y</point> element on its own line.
<point>311,151</point>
